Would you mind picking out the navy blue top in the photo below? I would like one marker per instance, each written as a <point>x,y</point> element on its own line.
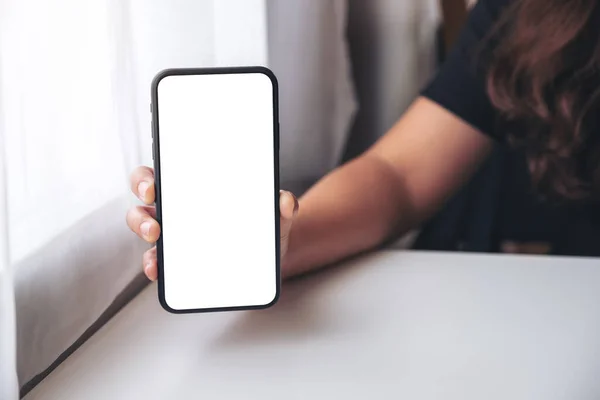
<point>460,84</point>
<point>459,87</point>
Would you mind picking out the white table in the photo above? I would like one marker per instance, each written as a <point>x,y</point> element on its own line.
<point>392,325</point>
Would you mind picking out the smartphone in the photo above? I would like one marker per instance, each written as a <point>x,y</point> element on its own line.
<point>216,161</point>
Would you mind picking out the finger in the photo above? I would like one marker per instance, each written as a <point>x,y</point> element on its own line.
<point>288,206</point>
<point>150,264</point>
<point>142,184</point>
<point>140,219</point>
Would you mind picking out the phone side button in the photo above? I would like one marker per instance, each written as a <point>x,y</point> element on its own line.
<point>152,151</point>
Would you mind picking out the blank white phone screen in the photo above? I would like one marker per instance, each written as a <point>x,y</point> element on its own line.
<point>217,182</point>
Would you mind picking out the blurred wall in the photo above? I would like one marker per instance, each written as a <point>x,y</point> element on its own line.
<point>393,51</point>
<point>308,52</point>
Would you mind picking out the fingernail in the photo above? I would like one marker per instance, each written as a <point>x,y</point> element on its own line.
<point>145,229</point>
<point>142,189</point>
<point>147,268</point>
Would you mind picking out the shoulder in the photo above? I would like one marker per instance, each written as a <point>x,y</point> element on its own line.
<point>459,86</point>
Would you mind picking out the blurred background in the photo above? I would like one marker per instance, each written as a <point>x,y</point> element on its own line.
<point>74,122</point>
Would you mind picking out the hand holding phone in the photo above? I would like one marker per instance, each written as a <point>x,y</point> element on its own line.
<point>216,140</point>
<point>141,219</point>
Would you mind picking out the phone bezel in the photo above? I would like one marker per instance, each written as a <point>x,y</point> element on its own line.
<point>156,160</point>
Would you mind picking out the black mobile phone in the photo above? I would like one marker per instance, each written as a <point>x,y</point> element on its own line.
<point>216,161</point>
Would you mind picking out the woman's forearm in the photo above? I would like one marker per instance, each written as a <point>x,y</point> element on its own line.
<point>353,209</point>
<point>397,184</point>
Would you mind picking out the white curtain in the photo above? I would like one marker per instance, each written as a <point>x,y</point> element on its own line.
<point>74,107</point>
<point>74,98</point>
<point>8,371</point>
<point>309,52</point>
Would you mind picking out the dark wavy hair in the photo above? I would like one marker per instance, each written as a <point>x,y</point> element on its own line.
<point>544,78</point>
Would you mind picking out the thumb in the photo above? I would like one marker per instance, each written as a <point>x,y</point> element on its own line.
<point>288,208</point>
